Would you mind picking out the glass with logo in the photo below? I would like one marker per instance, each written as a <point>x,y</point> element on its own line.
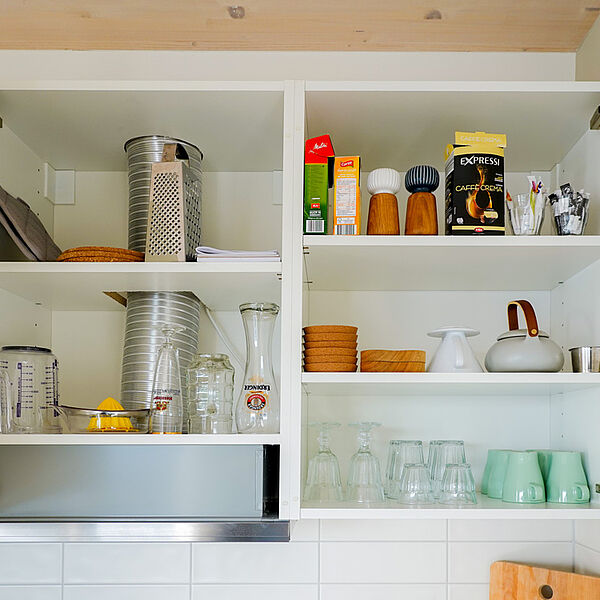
<point>257,410</point>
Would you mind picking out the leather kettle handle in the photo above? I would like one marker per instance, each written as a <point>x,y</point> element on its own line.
<point>530,318</point>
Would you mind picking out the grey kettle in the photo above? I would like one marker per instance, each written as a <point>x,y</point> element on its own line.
<point>526,350</point>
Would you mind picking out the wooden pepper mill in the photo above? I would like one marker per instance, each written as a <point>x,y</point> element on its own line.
<point>421,212</point>
<point>383,185</point>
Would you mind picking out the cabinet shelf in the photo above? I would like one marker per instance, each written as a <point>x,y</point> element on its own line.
<point>124,439</point>
<point>446,384</point>
<point>389,263</point>
<point>80,286</point>
<point>486,508</point>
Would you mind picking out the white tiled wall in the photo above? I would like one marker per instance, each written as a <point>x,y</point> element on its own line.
<point>587,547</point>
<point>326,560</point>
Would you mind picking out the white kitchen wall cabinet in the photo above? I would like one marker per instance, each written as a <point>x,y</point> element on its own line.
<point>394,289</point>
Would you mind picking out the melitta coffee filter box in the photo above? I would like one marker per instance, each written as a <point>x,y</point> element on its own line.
<point>318,178</point>
<point>346,195</point>
<point>475,184</point>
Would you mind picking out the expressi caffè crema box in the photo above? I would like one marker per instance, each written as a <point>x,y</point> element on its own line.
<point>475,184</point>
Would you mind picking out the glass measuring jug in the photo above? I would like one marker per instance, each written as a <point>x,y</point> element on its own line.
<point>33,375</point>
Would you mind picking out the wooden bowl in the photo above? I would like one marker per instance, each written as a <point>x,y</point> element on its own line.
<point>330,344</point>
<point>331,329</point>
<point>330,367</point>
<point>393,356</point>
<point>392,367</point>
<point>330,337</point>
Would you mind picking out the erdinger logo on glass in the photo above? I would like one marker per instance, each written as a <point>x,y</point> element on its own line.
<point>257,395</point>
<point>347,163</point>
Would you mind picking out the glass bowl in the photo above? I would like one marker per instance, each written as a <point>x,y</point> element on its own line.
<point>91,420</point>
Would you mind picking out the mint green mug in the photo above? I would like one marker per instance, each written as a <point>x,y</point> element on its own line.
<point>497,473</point>
<point>567,483</point>
<point>492,455</point>
<point>523,482</point>
<point>544,458</point>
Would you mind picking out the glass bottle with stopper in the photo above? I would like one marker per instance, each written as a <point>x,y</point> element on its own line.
<point>383,185</point>
<point>421,211</point>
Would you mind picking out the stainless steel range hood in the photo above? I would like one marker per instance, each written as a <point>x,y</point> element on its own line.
<point>183,493</point>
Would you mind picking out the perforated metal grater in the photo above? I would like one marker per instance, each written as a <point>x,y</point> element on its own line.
<point>174,215</point>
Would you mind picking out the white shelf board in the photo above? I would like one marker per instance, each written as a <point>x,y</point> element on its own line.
<point>386,263</point>
<point>83,125</point>
<point>446,384</point>
<point>80,286</point>
<point>402,124</point>
<point>486,508</point>
<point>124,439</point>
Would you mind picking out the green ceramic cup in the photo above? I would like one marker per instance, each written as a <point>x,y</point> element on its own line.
<point>492,455</point>
<point>544,458</point>
<point>497,473</point>
<point>567,483</point>
<point>523,482</point>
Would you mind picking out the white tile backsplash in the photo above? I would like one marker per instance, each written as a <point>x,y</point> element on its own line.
<point>587,533</point>
<point>587,562</point>
<point>30,563</point>
<point>469,562</point>
<point>383,562</point>
<point>383,591</point>
<point>30,592</point>
<point>510,530</point>
<point>473,591</point>
<point>127,592</point>
<point>255,592</point>
<point>401,530</point>
<point>127,563</point>
<point>276,562</point>
<point>326,560</point>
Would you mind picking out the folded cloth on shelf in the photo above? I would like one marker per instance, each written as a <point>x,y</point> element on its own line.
<point>204,253</point>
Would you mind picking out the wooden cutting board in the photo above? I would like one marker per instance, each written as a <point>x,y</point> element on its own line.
<point>512,581</point>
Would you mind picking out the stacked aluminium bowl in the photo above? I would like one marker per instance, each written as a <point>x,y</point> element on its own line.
<point>147,311</point>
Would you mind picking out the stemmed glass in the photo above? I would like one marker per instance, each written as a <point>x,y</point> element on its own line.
<point>323,482</point>
<point>167,402</point>
<point>364,476</point>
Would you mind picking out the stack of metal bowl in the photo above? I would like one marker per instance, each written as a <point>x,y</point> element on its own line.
<point>142,152</point>
<point>146,313</point>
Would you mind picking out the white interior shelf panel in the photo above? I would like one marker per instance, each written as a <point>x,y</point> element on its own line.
<point>446,384</point>
<point>486,508</point>
<point>124,439</point>
<point>387,263</point>
<point>80,286</point>
<point>84,128</point>
<point>402,124</point>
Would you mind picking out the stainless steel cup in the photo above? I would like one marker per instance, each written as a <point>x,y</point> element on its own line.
<point>585,359</point>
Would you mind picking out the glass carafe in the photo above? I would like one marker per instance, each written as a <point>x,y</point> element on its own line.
<point>257,410</point>
<point>210,394</point>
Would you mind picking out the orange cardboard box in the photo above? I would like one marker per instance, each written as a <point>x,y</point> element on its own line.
<point>346,195</point>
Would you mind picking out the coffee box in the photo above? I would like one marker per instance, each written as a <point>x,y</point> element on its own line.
<point>475,184</point>
<point>318,178</point>
<point>346,195</point>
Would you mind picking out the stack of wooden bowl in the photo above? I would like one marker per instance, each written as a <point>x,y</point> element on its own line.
<point>392,361</point>
<point>100,254</point>
<point>330,348</point>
